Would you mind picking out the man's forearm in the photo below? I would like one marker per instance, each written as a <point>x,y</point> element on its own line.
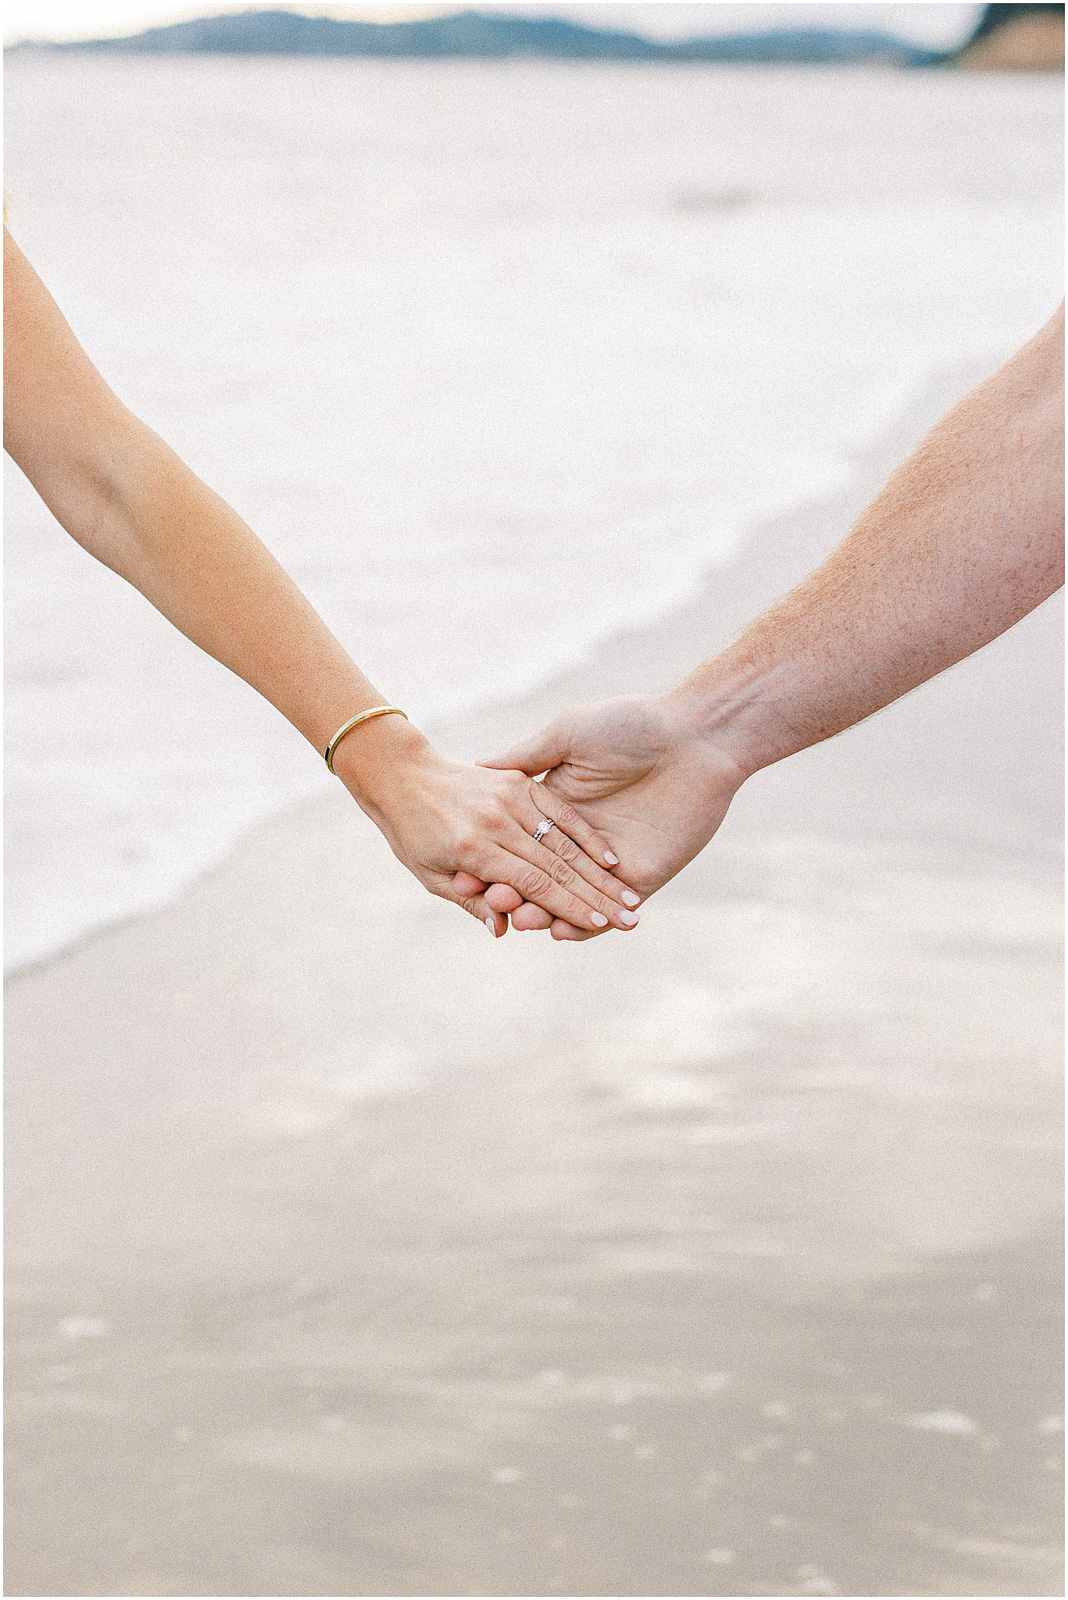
<point>966,538</point>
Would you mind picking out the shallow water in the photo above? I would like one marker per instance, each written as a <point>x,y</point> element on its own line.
<point>496,359</point>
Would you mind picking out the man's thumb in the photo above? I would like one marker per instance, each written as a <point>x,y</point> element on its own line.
<point>532,756</point>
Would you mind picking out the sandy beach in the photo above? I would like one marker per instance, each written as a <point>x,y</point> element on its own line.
<point>350,1253</point>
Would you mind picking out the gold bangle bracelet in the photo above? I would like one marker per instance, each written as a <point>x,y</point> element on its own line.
<point>364,716</point>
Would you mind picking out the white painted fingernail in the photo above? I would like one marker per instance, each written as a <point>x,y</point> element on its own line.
<point>598,920</point>
<point>629,898</point>
<point>628,918</point>
<point>613,861</point>
<point>491,924</point>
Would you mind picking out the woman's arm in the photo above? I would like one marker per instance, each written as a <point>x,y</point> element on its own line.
<point>127,498</point>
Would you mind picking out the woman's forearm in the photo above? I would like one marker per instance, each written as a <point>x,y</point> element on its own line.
<point>128,499</point>
<point>966,538</point>
<point>194,558</point>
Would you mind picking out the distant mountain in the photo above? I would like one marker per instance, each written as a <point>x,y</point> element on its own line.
<point>1016,38</point>
<point>489,36</point>
<point>806,45</point>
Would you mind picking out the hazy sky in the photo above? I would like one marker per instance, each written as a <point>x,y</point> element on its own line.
<point>937,25</point>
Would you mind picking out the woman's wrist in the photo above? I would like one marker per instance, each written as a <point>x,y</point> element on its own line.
<point>378,759</point>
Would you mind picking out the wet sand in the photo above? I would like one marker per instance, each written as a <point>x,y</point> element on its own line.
<point>352,1254</point>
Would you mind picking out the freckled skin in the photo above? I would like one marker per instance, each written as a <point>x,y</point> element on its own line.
<point>966,538</point>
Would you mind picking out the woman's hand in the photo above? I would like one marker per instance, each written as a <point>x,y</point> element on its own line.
<point>441,819</point>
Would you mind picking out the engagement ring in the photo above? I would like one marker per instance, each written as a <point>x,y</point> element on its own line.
<point>542,829</point>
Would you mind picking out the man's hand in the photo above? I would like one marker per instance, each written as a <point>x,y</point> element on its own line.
<point>641,776</point>
<point>965,539</point>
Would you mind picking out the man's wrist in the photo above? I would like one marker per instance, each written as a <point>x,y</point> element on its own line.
<point>734,710</point>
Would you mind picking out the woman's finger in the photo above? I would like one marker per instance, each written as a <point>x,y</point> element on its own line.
<point>583,875</point>
<point>574,824</point>
<point>575,870</point>
<point>548,881</point>
<point>573,873</point>
<point>561,842</point>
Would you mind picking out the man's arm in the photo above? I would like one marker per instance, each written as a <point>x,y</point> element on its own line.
<point>965,539</point>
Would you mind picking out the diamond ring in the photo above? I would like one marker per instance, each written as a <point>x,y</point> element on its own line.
<point>542,829</point>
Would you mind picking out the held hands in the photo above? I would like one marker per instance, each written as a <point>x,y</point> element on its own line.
<point>639,773</point>
<point>452,825</point>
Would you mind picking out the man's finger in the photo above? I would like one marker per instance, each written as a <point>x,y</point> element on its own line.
<point>530,919</point>
<point>499,897</point>
<point>467,884</point>
<point>532,756</point>
<point>566,932</point>
<point>474,904</point>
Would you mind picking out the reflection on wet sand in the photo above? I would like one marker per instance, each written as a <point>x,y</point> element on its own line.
<point>398,1431</point>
